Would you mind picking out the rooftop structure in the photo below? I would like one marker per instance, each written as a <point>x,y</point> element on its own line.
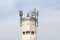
<point>29,24</point>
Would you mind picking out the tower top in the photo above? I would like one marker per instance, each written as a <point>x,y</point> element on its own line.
<point>29,24</point>
<point>32,14</point>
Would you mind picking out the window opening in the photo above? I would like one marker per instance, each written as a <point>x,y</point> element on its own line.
<point>27,32</point>
<point>32,32</point>
<point>23,33</point>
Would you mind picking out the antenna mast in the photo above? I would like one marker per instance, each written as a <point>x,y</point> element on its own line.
<point>34,14</point>
<point>20,14</point>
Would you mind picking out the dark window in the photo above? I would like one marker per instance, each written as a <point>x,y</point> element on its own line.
<point>23,33</point>
<point>27,32</point>
<point>32,32</point>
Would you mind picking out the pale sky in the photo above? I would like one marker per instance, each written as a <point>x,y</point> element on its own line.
<point>49,18</point>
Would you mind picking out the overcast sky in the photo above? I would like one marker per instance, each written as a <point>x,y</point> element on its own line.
<point>49,18</point>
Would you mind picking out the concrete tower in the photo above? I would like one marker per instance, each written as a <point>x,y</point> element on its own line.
<point>29,25</point>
